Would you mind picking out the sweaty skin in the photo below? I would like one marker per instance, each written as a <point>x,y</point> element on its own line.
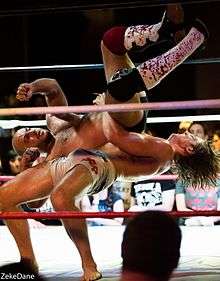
<point>69,133</point>
<point>138,155</point>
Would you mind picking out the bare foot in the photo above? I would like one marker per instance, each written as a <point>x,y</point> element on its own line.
<point>91,275</point>
<point>30,263</point>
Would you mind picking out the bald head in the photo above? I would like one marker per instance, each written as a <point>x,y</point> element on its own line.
<point>30,137</point>
<point>18,141</point>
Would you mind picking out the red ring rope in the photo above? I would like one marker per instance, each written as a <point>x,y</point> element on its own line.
<point>79,215</point>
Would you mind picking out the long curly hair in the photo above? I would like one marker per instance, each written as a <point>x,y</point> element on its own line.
<point>200,168</point>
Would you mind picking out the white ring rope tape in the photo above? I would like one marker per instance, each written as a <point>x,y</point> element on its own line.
<point>10,124</point>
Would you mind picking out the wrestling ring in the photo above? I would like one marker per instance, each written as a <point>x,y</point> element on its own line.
<point>57,257</point>
<point>199,259</point>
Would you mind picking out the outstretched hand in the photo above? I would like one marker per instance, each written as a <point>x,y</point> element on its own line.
<point>100,99</point>
<point>28,157</point>
<point>24,92</point>
<point>31,153</point>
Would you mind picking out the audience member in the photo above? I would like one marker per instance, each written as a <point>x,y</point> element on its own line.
<point>123,189</point>
<point>150,247</point>
<point>199,129</point>
<point>104,201</point>
<point>184,126</point>
<point>189,198</point>
<point>153,195</point>
<point>5,144</point>
<point>14,162</point>
<point>216,140</point>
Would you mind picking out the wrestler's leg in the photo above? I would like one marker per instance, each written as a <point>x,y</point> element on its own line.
<point>29,185</point>
<point>113,63</point>
<point>156,69</point>
<point>63,198</point>
<point>120,39</point>
<point>151,72</point>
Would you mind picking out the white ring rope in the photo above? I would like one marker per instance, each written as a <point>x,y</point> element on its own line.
<point>205,104</point>
<point>89,66</point>
<point>214,117</point>
<point>11,124</point>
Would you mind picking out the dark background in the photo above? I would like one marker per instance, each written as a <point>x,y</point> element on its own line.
<point>37,33</point>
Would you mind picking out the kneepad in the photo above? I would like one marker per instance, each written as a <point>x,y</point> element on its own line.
<point>125,84</point>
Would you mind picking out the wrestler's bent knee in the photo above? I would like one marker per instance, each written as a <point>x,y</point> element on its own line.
<point>125,84</point>
<point>58,200</point>
<point>113,39</point>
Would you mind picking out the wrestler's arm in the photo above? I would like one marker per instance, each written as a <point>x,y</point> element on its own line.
<point>54,96</point>
<point>47,87</point>
<point>136,144</point>
<point>28,157</point>
<point>51,90</point>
